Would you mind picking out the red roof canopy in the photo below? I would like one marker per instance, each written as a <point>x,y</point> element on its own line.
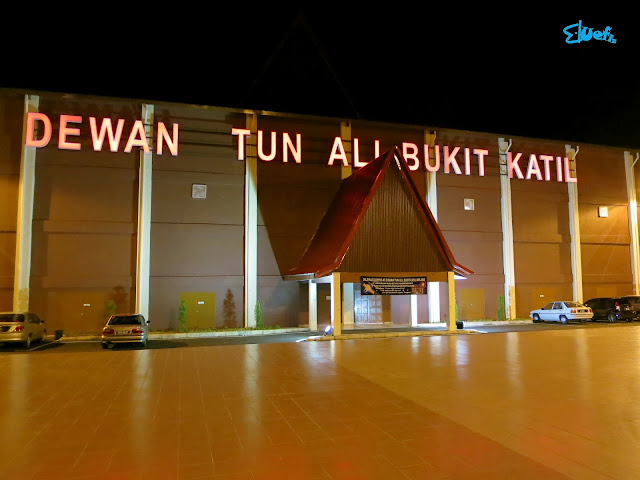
<point>344,217</point>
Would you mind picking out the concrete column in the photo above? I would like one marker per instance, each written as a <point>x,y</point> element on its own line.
<point>336,304</point>
<point>507,232</point>
<point>143,264</point>
<point>433,288</point>
<point>251,224</point>
<point>22,269</point>
<point>347,299</point>
<point>348,305</point>
<point>632,212</point>
<point>451,290</point>
<point>345,135</point>
<point>414,310</point>
<point>313,306</point>
<point>574,228</point>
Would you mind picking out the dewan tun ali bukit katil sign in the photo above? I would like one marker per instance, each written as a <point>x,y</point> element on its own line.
<point>450,159</point>
<point>458,160</point>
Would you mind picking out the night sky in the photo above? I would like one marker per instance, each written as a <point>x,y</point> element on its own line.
<point>507,71</point>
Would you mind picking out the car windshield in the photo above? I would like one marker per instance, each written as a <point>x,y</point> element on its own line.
<point>125,320</point>
<point>573,304</point>
<point>11,317</point>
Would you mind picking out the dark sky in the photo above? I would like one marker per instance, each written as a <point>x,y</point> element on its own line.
<point>506,71</point>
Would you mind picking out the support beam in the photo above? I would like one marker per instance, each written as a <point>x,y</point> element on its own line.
<point>22,269</point>
<point>345,135</point>
<point>414,310</point>
<point>251,224</point>
<point>433,288</point>
<point>313,306</point>
<point>508,256</point>
<point>336,304</point>
<point>574,228</point>
<point>143,254</point>
<point>451,290</point>
<point>632,213</point>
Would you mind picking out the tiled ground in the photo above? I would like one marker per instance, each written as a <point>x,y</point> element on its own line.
<point>532,405</point>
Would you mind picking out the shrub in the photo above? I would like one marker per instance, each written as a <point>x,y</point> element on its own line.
<point>501,314</point>
<point>111,308</point>
<point>182,316</point>
<point>229,310</point>
<point>258,315</point>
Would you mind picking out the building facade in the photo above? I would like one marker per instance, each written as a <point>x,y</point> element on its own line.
<point>123,205</point>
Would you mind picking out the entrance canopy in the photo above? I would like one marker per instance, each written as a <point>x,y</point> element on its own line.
<point>378,222</point>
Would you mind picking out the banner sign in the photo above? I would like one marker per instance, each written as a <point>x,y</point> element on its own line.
<point>393,285</point>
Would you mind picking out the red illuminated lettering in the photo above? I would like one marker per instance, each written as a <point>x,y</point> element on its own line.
<point>272,152</point>
<point>436,165</point>
<point>137,138</point>
<point>105,129</point>
<point>567,172</point>
<point>242,133</point>
<point>547,171</point>
<point>356,154</point>
<point>63,144</point>
<point>413,155</point>
<point>467,162</point>
<point>533,168</point>
<point>163,136</point>
<point>450,160</point>
<point>337,153</point>
<point>287,146</point>
<point>30,140</point>
<point>512,165</point>
<point>559,168</point>
<point>481,154</point>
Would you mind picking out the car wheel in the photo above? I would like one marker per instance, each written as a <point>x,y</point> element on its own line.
<point>105,346</point>
<point>27,342</point>
<point>536,318</point>
<point>582,320</point>
<point>611,317</point>
<point>563,319</point>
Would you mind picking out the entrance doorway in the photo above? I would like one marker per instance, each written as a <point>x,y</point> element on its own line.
<point>370,309</point>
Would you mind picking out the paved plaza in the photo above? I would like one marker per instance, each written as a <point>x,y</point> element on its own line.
<point>529,405</point>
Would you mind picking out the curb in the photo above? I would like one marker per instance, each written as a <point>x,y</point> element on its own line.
<point>344,336</point>
<point>164,336</point>
<point>351,336</point>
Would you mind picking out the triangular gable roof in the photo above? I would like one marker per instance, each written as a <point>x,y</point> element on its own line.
<point>344,216</point>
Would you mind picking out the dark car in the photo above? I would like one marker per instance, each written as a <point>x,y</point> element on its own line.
<point>612,309</point>
<point>634,300</point>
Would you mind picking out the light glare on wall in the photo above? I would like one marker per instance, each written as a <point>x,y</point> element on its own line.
<point>469,204</point>
<point>603,212</point>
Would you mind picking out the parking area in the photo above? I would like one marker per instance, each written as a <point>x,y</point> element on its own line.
<point>530,404</point>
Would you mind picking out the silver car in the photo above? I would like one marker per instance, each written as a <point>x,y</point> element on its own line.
<point>22,328</point>
<point>125,328</point>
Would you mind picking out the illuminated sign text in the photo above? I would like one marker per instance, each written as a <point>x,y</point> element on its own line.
<point>69,131</point>
<point>456,160</point>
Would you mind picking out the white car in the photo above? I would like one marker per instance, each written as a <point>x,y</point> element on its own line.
<point>562,312</point>
<point>125,328</point>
